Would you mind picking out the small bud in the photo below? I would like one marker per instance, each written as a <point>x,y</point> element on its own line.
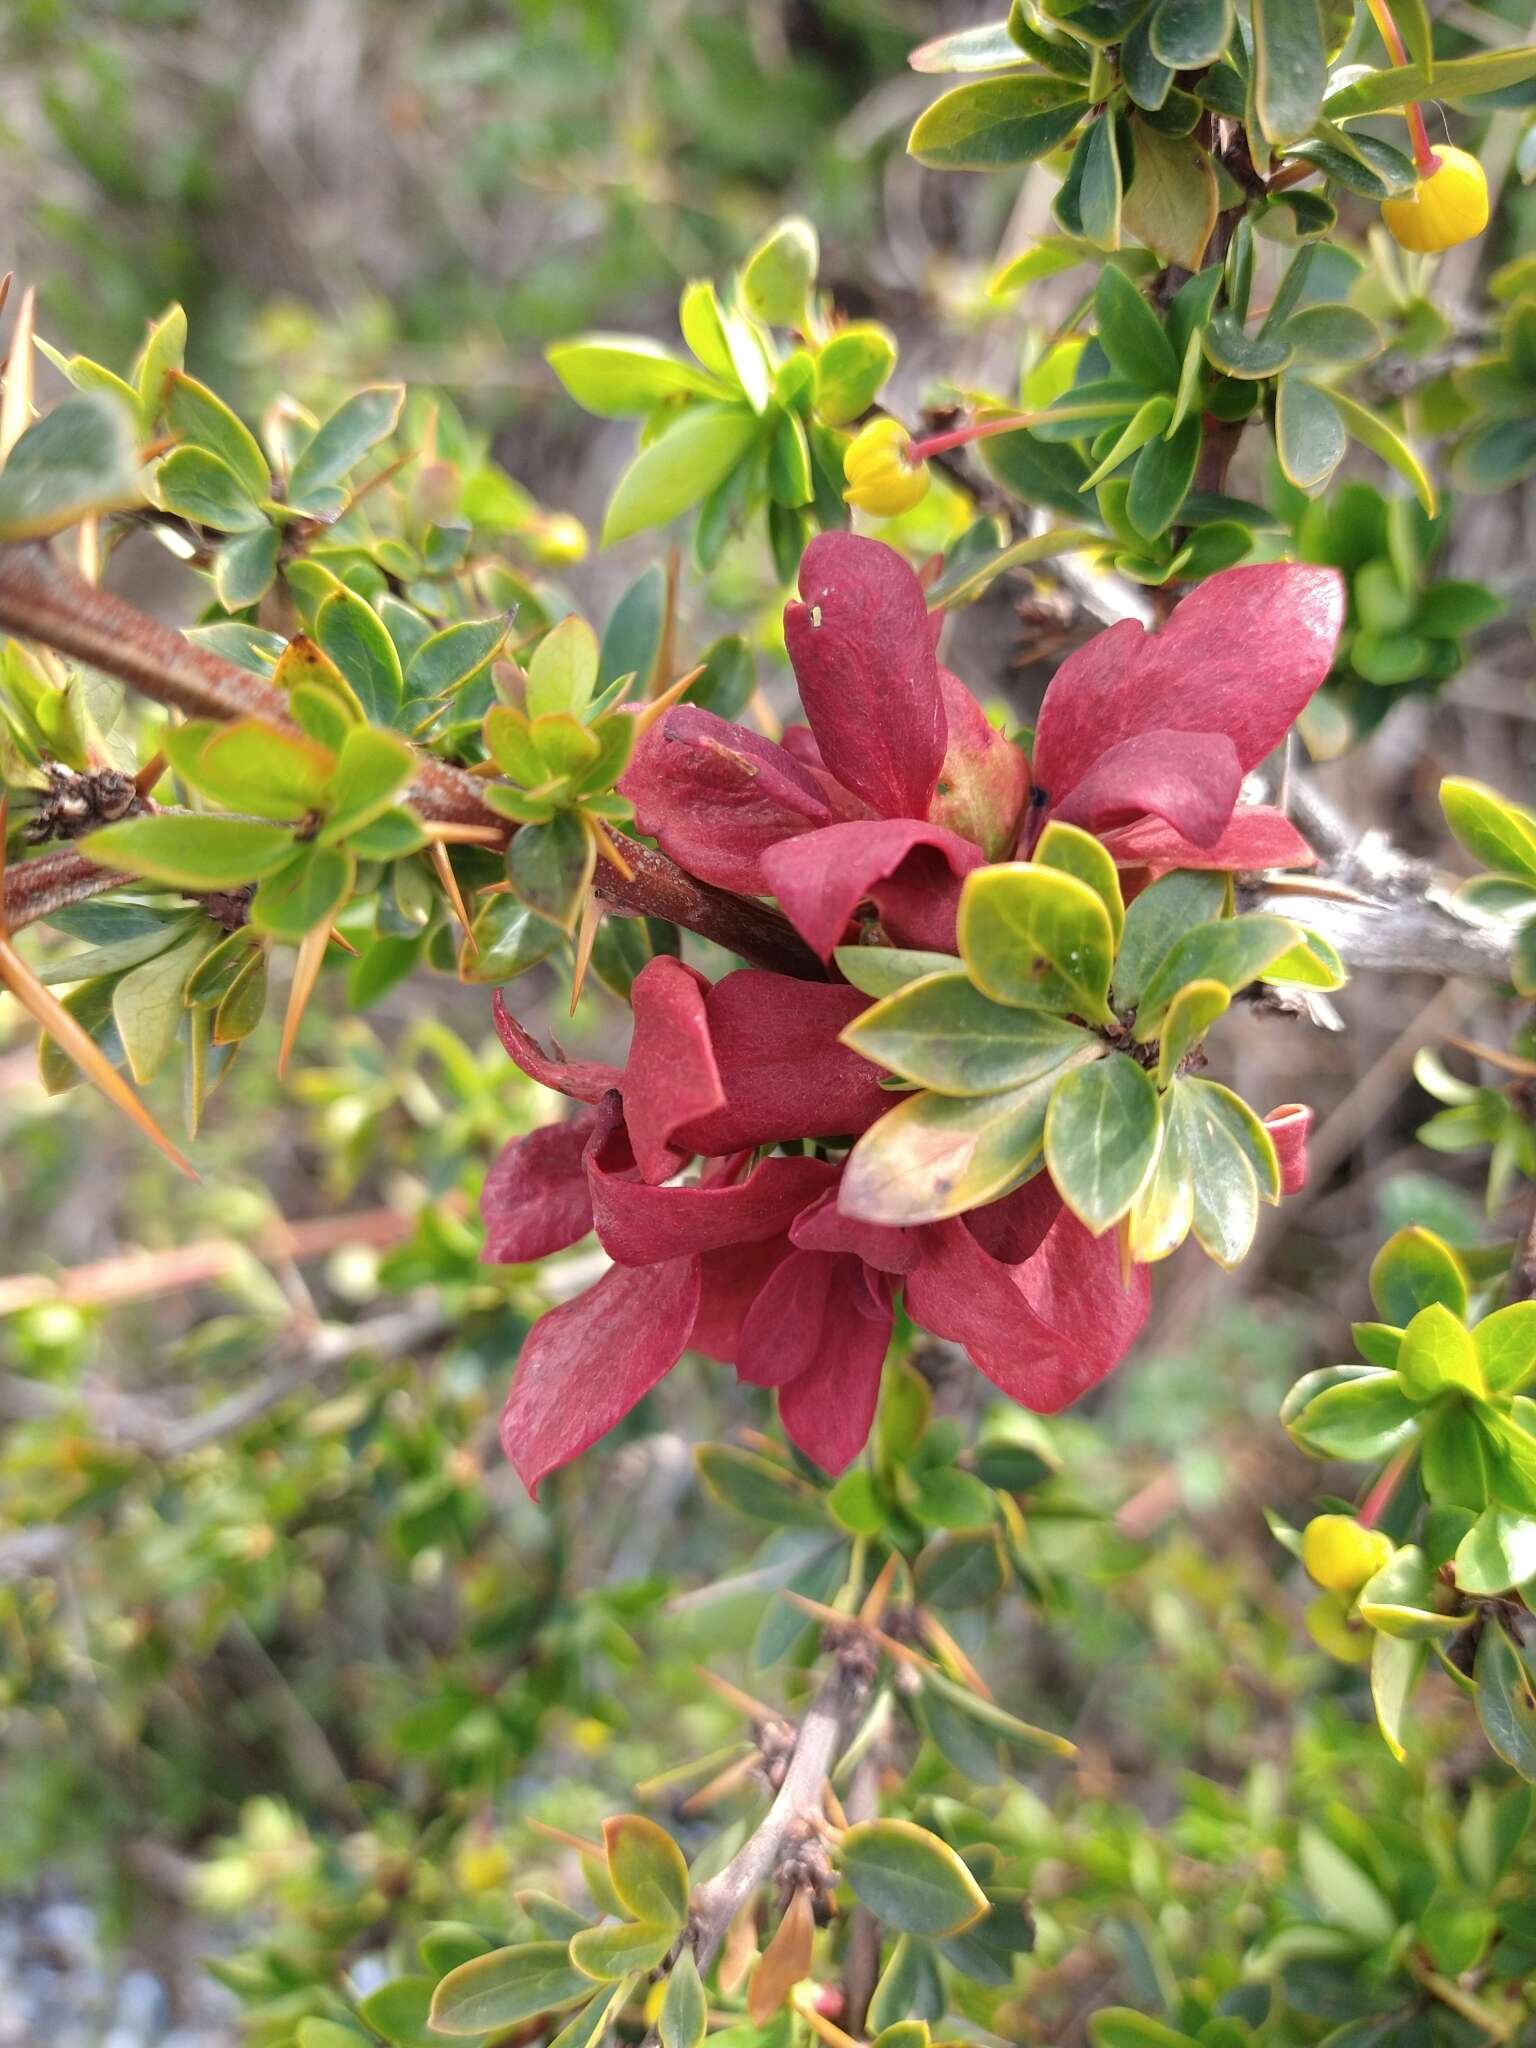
<point>880,478</point>
<point>1447,205</point>
<point>1339,1555</point>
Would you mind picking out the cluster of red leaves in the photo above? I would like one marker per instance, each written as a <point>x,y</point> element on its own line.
<point>893,793</point>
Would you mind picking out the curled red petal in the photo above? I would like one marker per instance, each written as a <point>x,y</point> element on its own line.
<point>1256,837</point>
<point>731,1281</point>
<point>1290,1126</point>
<point>715,796</point>
<point>1044,1331</point>
<point>784,1074</point>
<point>581,1080</point>
<point>984,781</point>
<point>638,1224</point>
<point>585,1364</point>
<point>824,1228</point>
<point>828,1410</point>
<point>1241,655</point>
<point>862,650</point>
<point>535,1199</point>
<point>911,869</point>
<point>1188,779</point>
<point>671,1076</point>
<point>1013,1228</point>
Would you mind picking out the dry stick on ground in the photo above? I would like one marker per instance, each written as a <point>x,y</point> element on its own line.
<point>40,599</point>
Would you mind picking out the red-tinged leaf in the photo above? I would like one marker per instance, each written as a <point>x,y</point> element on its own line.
<point>715,796</point>
<point>1045,1331</point>
<point>585,1364</point>
<point>863,656</point>
<point>1013,1228</point>
<point>784,1962</point>
<point>984,779</point>
<point>1188,779</point>
<point>824,1228</point>
<point>671,1077</point>
<point>639,1225</point>
<point>1241,656</point>
<point>1257,837</point>
<point>535,1199</point>
<point>910,869</point>
<point>1290,1126</point>
<point>731,1280</point>
<point>784,1074</point>
<point>580,1080</point>
<point>818,1330</point>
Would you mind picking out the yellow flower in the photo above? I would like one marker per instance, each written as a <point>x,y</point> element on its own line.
<point>880,478</point>
<point>1447,206</point>
<point>1339,1555</point>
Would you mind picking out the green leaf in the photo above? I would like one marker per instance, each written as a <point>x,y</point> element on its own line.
<point>1100,193</point>
<point>253,766</point>
<point>1395,1668</point>
<point>1243,1127</point>
<point>910,1879</point>
<point>1497,1553</point>
<point>1413,1269</point>
<point>647,1870</point>
<point>1506,1347</point>
<point>1161,479</point>
<point>1372,431</point>
<point>679,468</point>
<point>202,487</point>
<point>509,938</point>
<point>205,421</point>
<point>192,851</point>
<point>398,2010</point>
<point>1437,1353</point>
<point>988,48</point>
<point>563,672</point>
<point>944,1034</point>
<point>1160,916</point>
<point>1454,78</point>
<point>1078,853</point>
<point>1038,937</point>
<point>371,770</point>
<point>1399,1600</point>
<point>244,568</point>
<point>164,350</point>
<point>1309,435</point>
<point>1502,835</point>
<point>506,1987</point>
<point>882,970</point>
<point>1346,1896</point>
<point>851,370</point>
<point>309,892</point>
<point>550,866</point>
<point>778,276</point>
<point>1504,1701</point>
<point>1189,34</point>
<point>148,1005</point>
<point>684,2016</point>
<point>1131,335</point>
<point>1361,1419</point>
<point>1311,963</point>
<point>351,632</point>
<point>1101,1138</point>
<point>590,2026</point>
<point>935,1156</point>
<point>1197,1006</point>
<point>633,636</point>
<point>1332,334</point>
<point>1230,348</point>
<point>759,1487</point>
<point>1172,202</point>
<point>76,460</point>
<point>618,376</point>
<point>1231,950</point>
<point>341,442</point>
<point>944,1498</point>
<point>1290,65</point>
<point>997,123</point>
<point>445,661</point>
<point>608,1953</point>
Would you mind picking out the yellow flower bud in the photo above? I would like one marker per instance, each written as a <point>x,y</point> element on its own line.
<point>1340,1555</point>
<point>1447,206</point>
<point>482,1865</point>
<point>1329,1626</point>
<point>880,478</point>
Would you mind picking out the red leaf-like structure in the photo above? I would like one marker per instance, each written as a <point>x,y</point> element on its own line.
<point>587,1363</point>
<point>984,779</point>
<point>671,1077</point>
<point>911,870</point>
<point>1290,1126</point>
<point>863,656</point>
<point>535,1199</point>
<point>1256,837</point>
<point>1188,779</point>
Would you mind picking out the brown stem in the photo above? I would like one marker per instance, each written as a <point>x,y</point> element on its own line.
<point>41,599</point>
<point>824,1733</point>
